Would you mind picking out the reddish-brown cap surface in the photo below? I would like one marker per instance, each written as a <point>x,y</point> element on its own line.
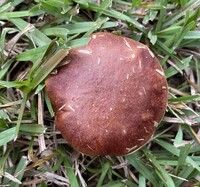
<point>110,97</point>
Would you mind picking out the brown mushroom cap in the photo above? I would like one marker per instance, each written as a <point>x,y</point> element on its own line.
<point>110,97</point>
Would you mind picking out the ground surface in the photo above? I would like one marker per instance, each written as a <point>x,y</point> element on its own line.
<point>36,35</point>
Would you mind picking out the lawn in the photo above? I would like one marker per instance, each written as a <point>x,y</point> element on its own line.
<point>34,38</point>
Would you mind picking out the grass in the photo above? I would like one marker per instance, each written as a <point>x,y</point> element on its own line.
<point>36,35</point>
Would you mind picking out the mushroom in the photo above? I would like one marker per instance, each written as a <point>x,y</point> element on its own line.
<point>110,97</point>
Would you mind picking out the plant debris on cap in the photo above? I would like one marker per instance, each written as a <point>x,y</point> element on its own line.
<point>111,96</point>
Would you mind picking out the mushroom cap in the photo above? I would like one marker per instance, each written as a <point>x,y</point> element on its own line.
<point>110,97</point>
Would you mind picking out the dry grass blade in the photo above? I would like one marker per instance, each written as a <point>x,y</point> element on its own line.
<point>11,177</point>
<point>41,139</point>
<point>38,163</point>
<point>57,179</point>
<point>10,104</point>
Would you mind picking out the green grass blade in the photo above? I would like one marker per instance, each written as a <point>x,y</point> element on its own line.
<point>104,171</point>
<point>13,84</point>
<point>169,31</point>
<point>179,137</point>
<point>192,35</point>
<point>49,105</point>
<point>97,24</point>
<point>52,10</point>
<point>32,129</point>
<point>142,168</point>
<point>82,2</point>
<point>162,173</point>
<point>142,181</point>
<point>82,27</point>
<point>56,31</point>
<point>78,42</point>
<point>21,112</point>
<point>77,28</point>
<point>32,54</point>
<point>114,184</point>
<point>162,15</point>
<point>20,167</point>
<point>7,136</point>
<point>184,151</point>
<point>189,6</point>
<point>104,5</point>
<point>136,2</point>
<point>185,173</point>
<point>117,15</point>
<point>16,14</point>
<point>176,152</point>
<point>36,36</point>
<point>3,160</point>
<point>3,36</point>
<point>5,7</point>
<point>185,98</point>
<point>4,69</point>
<point>46,69</point>
<point>169,72</point>
<point>181,35</point>
<point>69,169</point>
